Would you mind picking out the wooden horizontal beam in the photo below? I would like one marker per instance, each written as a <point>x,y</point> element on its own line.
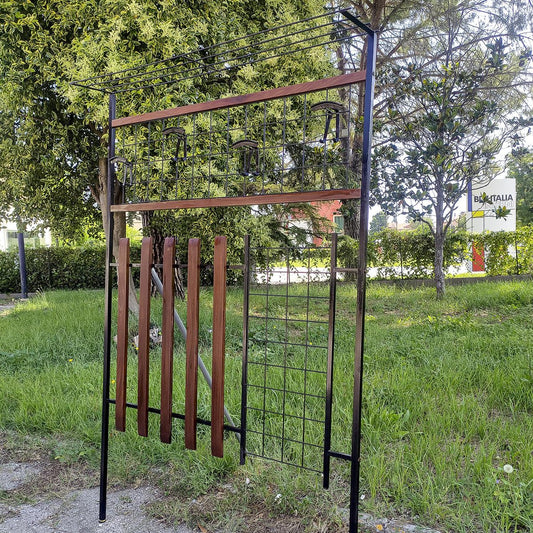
<point>282,198</point>
<point>252,98</point>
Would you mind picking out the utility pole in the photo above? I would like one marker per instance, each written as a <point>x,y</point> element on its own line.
<point>22,261</point>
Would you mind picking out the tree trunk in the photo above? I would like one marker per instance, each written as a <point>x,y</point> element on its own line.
<point>440,235</point>
<point>374,12</point>
<point>119,226</point>
<point>352,148</point>
<point>439,265</point>
<point>158,240</point>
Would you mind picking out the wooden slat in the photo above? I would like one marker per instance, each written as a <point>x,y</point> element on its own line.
<point>167,348</point>
<point>122,333</point>
<point>219,347</point>
<point>260,199</point>
<point>193,320</point>
<point>145,286</point>
<point>232,101</point>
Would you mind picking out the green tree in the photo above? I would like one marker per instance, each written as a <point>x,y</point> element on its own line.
<point>55,135</point>
<point>520,167</point>
<point>43,168</point>
<point>448,121</point>
<point>378,222</point>
<point>395,26</point>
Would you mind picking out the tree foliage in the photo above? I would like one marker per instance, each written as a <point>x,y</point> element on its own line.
<point>54,134</point>
<point>394,25</point>
<point>520,167</point>
<point>378,222</point>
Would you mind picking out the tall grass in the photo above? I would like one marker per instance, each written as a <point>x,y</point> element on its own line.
<point>448,398</point>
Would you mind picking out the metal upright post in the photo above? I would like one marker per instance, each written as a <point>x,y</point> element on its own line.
<point>22,266</point>
<point>107,314</point>
<point>361,281</point>
<point>516,254</point>
<point>361,268</point>
<point>244,383</point>
<point>331,352</point>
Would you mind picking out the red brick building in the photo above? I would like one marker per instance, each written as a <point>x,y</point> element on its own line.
<point>328,211</point>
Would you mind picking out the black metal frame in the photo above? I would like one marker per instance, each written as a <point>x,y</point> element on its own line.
<point>361,270</point>
<point>265,45</point>
<point>107,317</point>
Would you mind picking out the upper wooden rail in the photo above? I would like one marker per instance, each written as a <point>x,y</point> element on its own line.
<point>252,98</point>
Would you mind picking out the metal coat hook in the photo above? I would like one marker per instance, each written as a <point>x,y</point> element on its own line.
<point>331,108</point>
<point>249,156</point>
<point>182,136</point>
<point>128,167</point>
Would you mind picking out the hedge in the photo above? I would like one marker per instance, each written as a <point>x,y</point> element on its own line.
<point>55,268</point>
<point>507,252</point>
<point>409,254</point>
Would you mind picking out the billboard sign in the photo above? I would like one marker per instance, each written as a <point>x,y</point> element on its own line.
<point>492,207</point>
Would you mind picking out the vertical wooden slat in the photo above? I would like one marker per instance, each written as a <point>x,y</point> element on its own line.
<point>145,287</point>
<point>193,319</point>
<point>122,332</point>
<point>167,348</point>
<point>219,347</point>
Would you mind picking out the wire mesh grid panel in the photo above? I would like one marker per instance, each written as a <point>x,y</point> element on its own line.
<point>289,310</point>
<point>297,143</point>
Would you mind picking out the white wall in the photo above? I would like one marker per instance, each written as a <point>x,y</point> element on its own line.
<point>7,226</point>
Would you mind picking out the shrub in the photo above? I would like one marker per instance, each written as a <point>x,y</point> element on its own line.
<point>413,251</point>
<point>55,268</point>
<point>507,252</point>
<point>9,272</point>
<point>84,267</point>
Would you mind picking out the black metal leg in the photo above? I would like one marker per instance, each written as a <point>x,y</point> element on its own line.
<point>331,348</point>
<point>104,447</point>
<point>246,303</point>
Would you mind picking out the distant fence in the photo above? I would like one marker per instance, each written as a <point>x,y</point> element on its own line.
<point>392,254</point>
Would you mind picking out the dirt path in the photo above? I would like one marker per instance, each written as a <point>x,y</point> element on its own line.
<point>5,307</point>
<point>74,511</point>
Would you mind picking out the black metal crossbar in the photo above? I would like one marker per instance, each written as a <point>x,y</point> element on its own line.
<point>219,61</point>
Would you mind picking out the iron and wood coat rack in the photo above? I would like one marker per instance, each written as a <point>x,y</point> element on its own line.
<point>239,151</point>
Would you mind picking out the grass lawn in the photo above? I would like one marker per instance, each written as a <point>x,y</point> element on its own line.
<point>448,401</point>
